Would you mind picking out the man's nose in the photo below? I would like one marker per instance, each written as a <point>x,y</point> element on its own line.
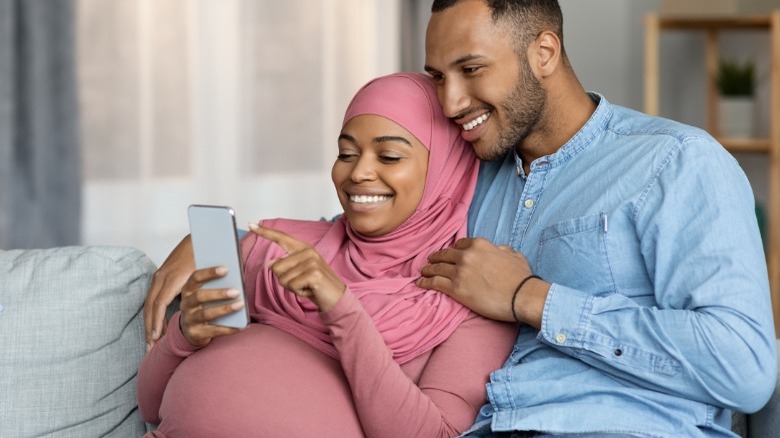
<point>453,98</point>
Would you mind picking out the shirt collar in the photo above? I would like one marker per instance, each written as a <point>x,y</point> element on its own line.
<point>581,140</point>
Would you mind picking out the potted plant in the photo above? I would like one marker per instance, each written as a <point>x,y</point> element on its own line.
<point>736,85</point>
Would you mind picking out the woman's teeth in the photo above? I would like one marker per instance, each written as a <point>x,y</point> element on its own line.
<point>368,199</point>
<point>478,121</point>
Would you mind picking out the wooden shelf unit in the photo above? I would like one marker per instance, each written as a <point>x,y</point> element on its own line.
<point>711,27</point>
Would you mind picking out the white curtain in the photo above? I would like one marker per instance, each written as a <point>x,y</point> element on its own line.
<point>232,102</point>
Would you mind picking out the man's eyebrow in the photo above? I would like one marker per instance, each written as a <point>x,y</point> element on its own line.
<point>385,138</point>
<point>461,60</point>
<point>465,58</point>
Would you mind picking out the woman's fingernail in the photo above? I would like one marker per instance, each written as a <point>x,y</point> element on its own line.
<point>253,226</point>
<point>148,347</point>
<point>154,334</point>
<point>221,270</point>
<point>232,293</point>
<point>237,305</point>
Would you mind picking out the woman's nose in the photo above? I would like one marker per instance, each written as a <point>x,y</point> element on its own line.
<point>364,169</point>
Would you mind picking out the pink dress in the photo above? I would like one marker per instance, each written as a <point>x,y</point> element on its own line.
<point>263,382</point>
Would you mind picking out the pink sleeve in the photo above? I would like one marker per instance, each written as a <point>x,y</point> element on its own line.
<point>245,245</point>
<point>158,366</point>
<point>452,385</point>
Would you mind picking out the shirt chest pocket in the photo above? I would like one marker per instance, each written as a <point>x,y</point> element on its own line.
<point>573,253</point>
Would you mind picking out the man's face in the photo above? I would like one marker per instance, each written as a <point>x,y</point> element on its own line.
<point>482,83</point>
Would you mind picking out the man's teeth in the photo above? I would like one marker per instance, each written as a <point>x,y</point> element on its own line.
<point>368,199</point>
<point>478,121</point>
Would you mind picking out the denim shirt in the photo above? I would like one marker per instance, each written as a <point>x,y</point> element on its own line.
<point>658,321</point>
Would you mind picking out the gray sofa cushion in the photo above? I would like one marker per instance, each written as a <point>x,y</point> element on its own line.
<point>739,424</point>
<point>71,338</point>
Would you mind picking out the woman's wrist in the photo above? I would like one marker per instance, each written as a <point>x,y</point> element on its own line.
<point>326,300</point>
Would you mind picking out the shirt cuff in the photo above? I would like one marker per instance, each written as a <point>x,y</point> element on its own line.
<point>565,317</point>
<point>342,307</point>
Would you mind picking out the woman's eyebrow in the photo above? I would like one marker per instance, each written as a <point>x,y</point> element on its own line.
<point>381,139</point>
<point>385,138</point>
<point>347,137</point>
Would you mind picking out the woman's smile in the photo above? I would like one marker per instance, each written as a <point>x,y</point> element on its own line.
<point>368,199</point>
<point>367,203</point>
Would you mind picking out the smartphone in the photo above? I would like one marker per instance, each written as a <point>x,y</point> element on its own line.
<point>215,243</point>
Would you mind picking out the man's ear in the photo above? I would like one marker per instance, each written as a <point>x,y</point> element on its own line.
<point>544,54</point>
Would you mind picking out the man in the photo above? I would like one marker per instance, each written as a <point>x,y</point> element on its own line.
<point>649,311</point>
<point>643,302</point>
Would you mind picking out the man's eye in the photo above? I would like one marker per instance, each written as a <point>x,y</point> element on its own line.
<point>470,70</point>
<point>437,77</point>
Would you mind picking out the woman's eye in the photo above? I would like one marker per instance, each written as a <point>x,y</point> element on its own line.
<point>345,157</point>
<point>390,159</point>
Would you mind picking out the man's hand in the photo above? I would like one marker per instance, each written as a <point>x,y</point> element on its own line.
<point>483,277</point>
<point>196,312</point>
<point>167,282</point>
<point>303,271</point>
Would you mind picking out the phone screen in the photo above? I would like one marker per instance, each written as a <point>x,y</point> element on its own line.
<point>215,243</point>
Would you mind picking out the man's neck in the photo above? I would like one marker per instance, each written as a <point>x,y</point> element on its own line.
<point>564,115</point>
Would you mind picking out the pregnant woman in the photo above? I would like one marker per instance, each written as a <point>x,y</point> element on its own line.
<point>342,343</point>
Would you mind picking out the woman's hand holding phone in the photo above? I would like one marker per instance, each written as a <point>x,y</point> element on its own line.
<point>198,310</point>
<point>167,282</point>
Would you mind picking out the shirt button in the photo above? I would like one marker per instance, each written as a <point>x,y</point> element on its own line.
<point>560,338</point>
<point>618,352</point>
<point>517,168</point>
<point>528,203</point>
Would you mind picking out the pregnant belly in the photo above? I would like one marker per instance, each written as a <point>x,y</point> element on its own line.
<point>260,382</point>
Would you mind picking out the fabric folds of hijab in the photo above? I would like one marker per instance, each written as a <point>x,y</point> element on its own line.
<point>381,270</point>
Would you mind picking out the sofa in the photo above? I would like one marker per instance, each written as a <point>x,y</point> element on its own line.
<point>72,336</point>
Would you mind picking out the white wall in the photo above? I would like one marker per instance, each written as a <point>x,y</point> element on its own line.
<point>603,39</point>
<point>605,42</point>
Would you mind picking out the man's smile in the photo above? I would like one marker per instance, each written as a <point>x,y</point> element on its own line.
<point>474,122</point>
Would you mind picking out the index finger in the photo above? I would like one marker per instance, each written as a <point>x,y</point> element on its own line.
<point>286,241</point>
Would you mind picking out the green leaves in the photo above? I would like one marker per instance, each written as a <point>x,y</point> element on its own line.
<point>735,79</point>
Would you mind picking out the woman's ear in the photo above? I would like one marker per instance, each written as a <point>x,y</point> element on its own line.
<point>544,54</point>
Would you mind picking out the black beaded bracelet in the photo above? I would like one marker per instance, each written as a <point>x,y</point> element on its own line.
<point>514,296</point>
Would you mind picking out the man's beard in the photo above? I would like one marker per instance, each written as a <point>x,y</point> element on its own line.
<point>522,109</point>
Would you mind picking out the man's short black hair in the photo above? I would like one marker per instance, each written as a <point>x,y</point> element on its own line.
<point>526,18</point>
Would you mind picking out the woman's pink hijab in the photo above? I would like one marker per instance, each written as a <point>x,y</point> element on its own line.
<point>381,271</point>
